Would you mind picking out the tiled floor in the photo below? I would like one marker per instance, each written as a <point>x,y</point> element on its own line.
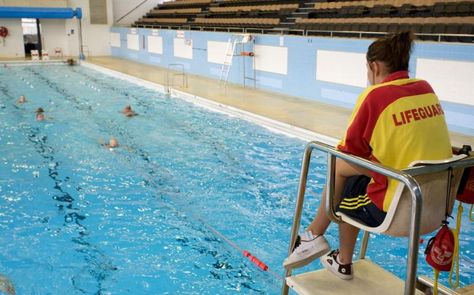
<point>314,116</point>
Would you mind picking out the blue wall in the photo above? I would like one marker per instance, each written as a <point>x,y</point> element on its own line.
<point>300,80</point>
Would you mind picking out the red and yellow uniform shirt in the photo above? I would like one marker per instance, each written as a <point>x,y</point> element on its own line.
<point>395,123</point>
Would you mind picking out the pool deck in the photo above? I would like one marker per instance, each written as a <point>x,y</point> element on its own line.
<point>310,115</point>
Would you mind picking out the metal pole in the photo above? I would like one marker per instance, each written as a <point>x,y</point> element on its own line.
<point>363,246</point>
<point>330,186</point>
<point>81,49</point>
<point>242,48</point>
<point>413,241</point>
<point>299,205</point>
<point>38,30</point>
<point>253,64</point>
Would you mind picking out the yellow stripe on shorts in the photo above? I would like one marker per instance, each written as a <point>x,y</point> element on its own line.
<point>354,203</point>
<point>353,207</point>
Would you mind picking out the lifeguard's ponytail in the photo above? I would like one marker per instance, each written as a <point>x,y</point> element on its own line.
<point>393,50</point>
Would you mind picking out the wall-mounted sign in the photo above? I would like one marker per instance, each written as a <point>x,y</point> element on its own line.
<point>155,32</point>
<point>133,31</point>
<point>180,34</point>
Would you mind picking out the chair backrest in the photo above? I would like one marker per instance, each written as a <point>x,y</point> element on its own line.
<point>434,188</point>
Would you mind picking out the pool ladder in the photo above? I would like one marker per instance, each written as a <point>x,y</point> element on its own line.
<point>173,71</point>
<point>322,282</point>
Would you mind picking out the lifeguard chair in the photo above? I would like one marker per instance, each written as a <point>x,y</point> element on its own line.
<point>409,214</point>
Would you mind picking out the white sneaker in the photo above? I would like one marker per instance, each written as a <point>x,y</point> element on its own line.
<point>310,248</point>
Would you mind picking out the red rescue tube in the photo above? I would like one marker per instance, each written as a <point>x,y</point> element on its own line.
<point>247,53</point>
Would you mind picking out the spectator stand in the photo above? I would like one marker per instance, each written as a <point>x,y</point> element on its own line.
<point>431,20</point>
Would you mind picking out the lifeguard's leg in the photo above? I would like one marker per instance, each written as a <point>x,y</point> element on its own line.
<point>344,170</point>
<point>347,240</point>
<point>312,244</point>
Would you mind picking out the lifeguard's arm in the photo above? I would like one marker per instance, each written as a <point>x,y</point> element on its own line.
<point>356,140</point>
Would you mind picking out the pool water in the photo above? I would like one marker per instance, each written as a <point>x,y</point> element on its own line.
<point>78,218</point>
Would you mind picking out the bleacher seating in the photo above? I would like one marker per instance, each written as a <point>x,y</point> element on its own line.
<point>252,22</point>
<point>190,11</point>
<point>437,20</point>
<point>427,28</point>
<point>164,20</point>
<point>397,8</point>
<point>251,1</point>
<point>186,3</point>
<point>261,8</point>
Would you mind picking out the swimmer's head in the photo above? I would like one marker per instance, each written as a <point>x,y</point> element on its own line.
<point>40,116</point>
<point>22,99</point>
<point>39,110</point>
<point>113,143</point>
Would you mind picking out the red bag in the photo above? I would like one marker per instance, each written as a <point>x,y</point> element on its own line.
<point>466,187</point>
<point>440,249</point>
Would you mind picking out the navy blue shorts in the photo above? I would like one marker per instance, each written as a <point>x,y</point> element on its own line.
<point>357,205</point>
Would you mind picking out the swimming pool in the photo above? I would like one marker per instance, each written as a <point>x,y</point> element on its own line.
<point>78,218</point>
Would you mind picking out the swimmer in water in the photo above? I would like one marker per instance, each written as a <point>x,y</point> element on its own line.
<point>113,143</point>
<point>21,99</point>
<point>71,62</point>
<point>128,112</point>
<point>40,114</point>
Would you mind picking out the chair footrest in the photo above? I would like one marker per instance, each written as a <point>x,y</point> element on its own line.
<point>369,278</point>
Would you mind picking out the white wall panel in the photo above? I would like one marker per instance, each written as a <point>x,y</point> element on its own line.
<point>115,39</point>
<point>155,44</point>
<point>53,35</point>
<point>132,42</point>
<point>452,81</point>
<point>271,59</point>
<point>13,45</point>
<point>182,48</point>
<point>341,67</point>
<point>216,51</point>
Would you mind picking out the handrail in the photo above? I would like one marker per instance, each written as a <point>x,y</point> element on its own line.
<point>170,76</point>
<point>133,9</point>
<point>295,31</point>
<point>405,177</point>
